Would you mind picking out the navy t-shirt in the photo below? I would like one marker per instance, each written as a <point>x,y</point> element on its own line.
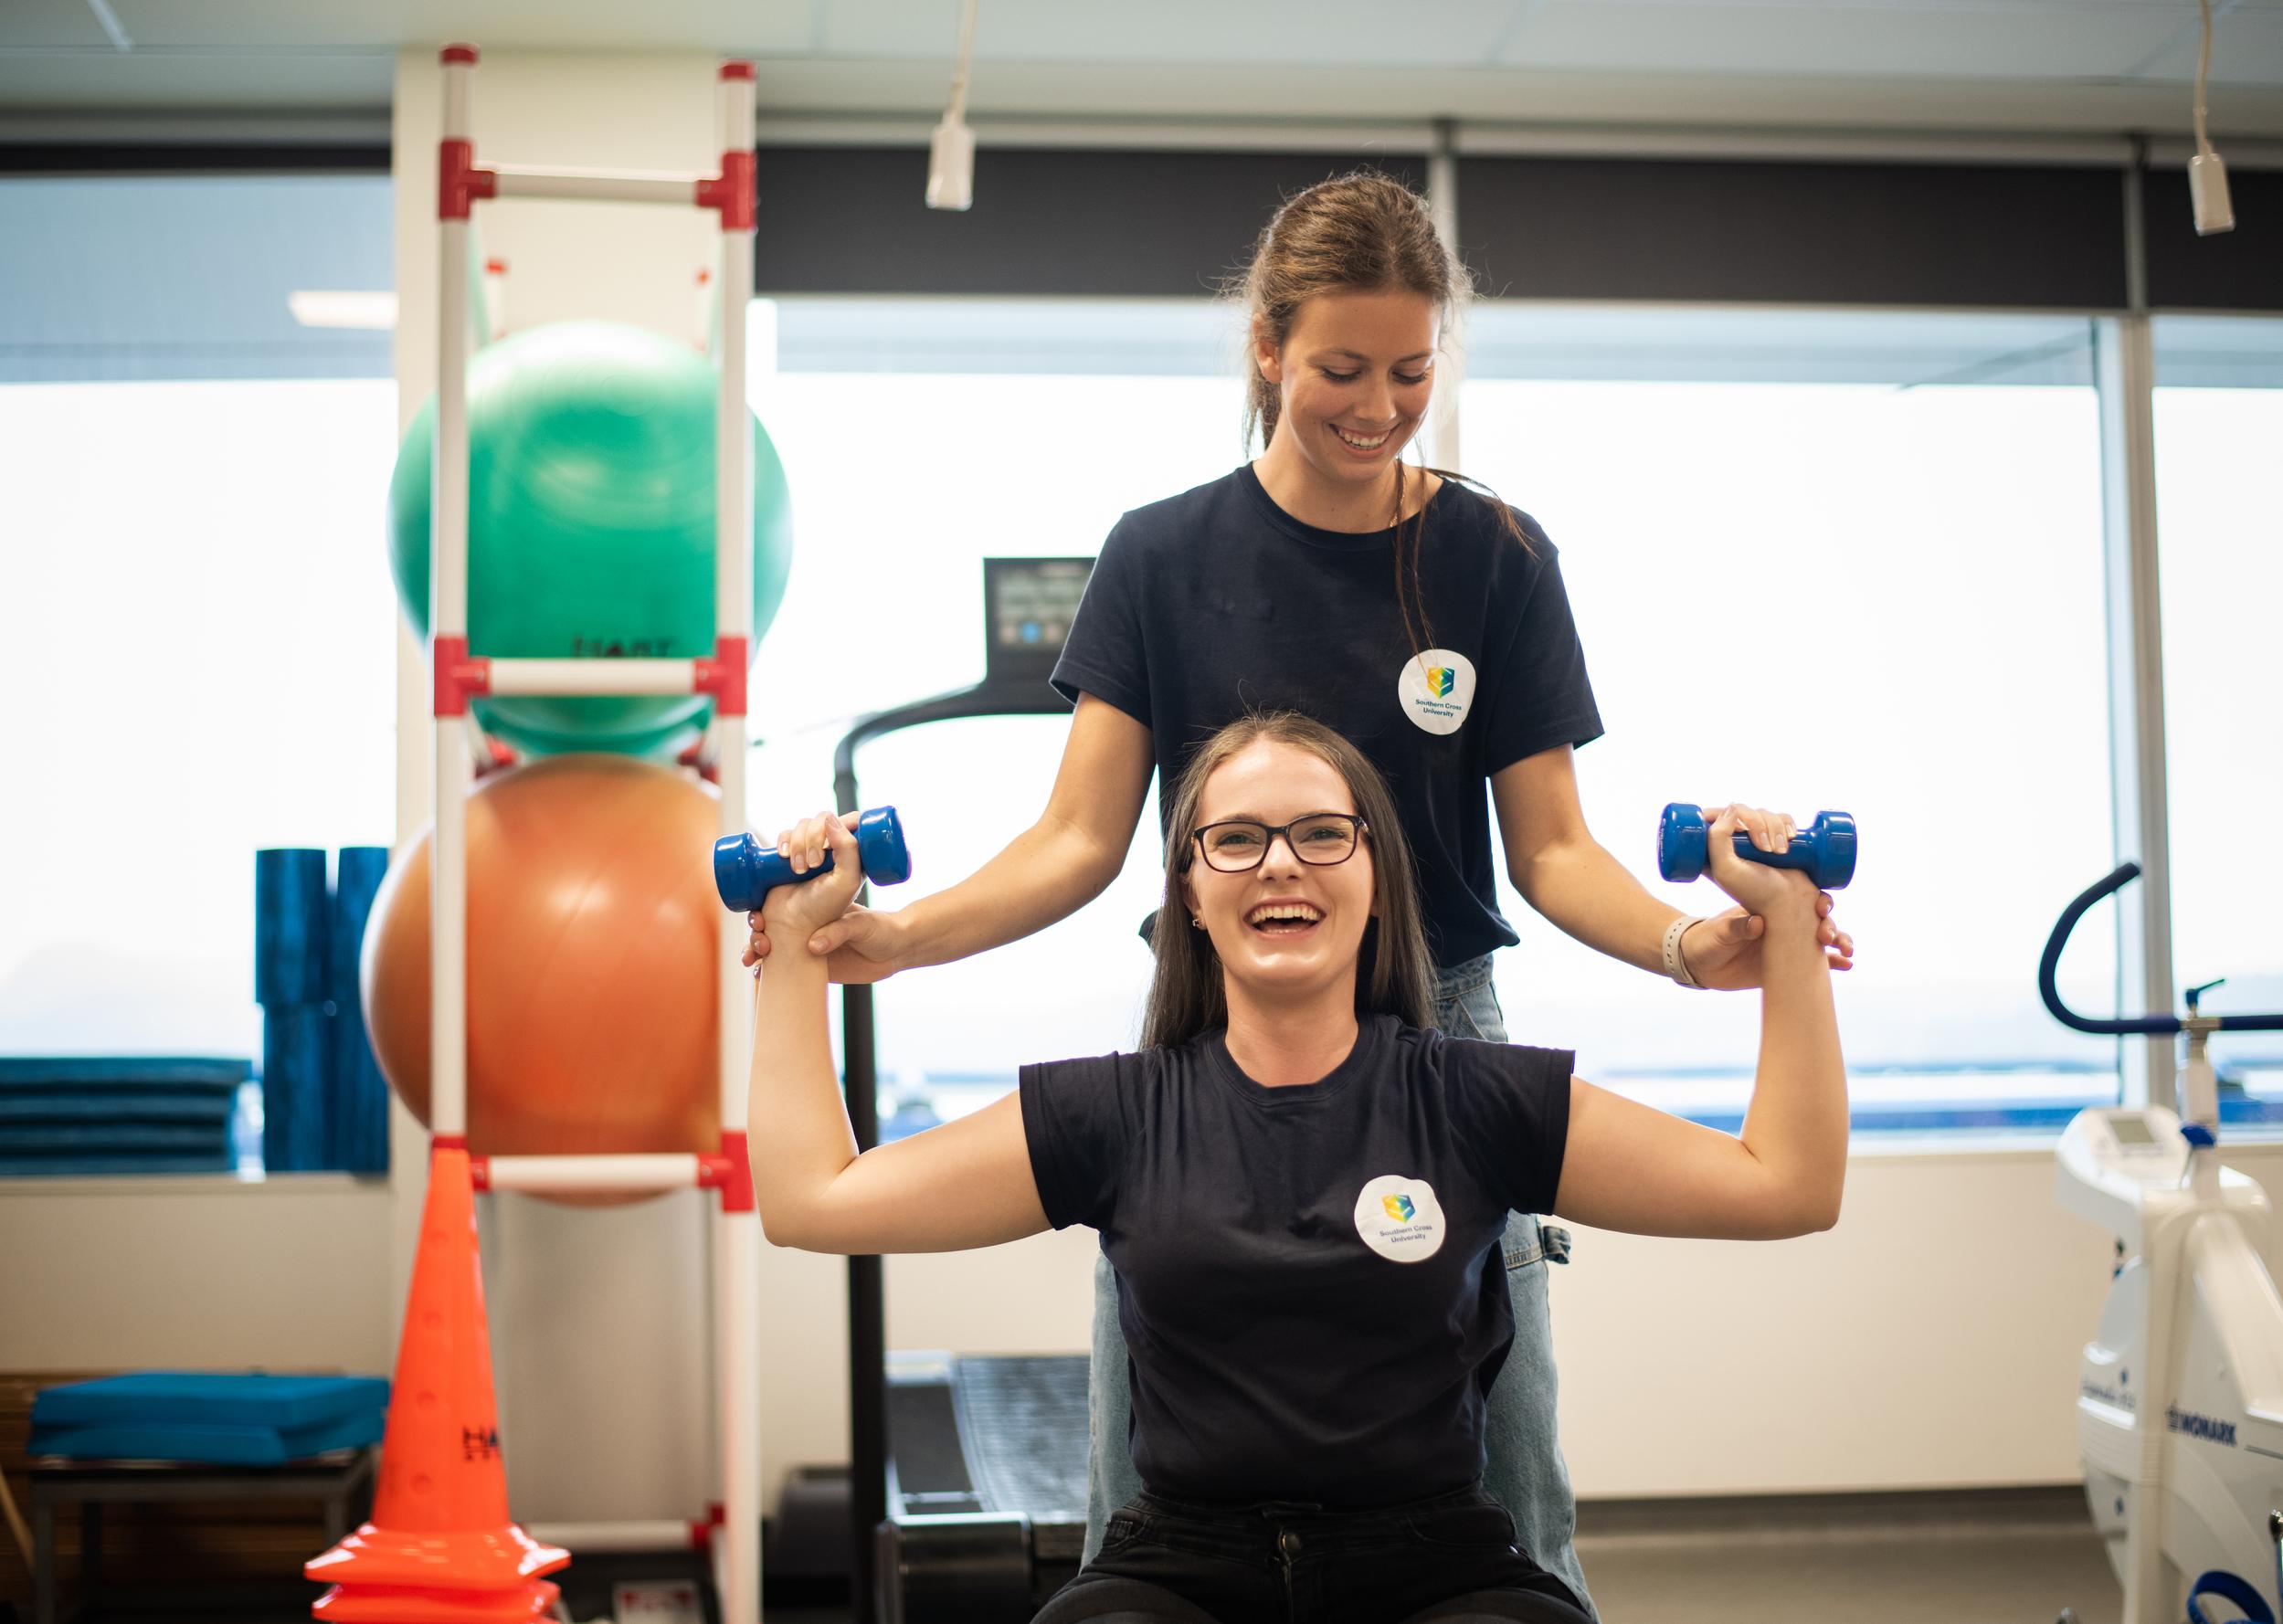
<point>1217,602</point>
<point>1308,1277</point>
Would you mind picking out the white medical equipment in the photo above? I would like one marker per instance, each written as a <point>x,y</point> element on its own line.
<point>2179,1393</point>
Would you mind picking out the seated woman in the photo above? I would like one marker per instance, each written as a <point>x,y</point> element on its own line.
<point>1302,1187</point>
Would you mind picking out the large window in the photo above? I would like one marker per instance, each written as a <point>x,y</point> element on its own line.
<point>1839,561</point>
<point>200,659</point>
<point>921,437</point>
<point>1817,561</point>
<point>2219,414</point>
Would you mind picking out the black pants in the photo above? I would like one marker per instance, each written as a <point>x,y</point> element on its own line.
<point>1451,1559</point>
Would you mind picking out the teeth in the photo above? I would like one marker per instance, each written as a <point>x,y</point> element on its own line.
<point>1358,442</point>
<point>1282,910</point>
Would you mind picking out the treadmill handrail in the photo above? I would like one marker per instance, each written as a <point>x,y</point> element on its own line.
<point>984,699</point>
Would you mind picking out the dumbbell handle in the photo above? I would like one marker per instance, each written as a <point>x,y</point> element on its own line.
<point>746,871</point>
<point>1823,852</point>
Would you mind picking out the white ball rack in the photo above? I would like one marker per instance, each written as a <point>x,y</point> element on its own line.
<point>730,1528</point>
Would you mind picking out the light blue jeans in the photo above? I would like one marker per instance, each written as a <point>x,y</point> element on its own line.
<point>1525,1474</point>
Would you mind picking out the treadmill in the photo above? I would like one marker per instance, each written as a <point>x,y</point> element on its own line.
<point>967,1474</point>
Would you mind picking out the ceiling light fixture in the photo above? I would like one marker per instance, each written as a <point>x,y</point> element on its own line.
<point>2207,176</point>
<point>951,150</point>
<point>374,312</point>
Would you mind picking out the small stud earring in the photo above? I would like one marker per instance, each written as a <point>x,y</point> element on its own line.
<point>1196,922</point>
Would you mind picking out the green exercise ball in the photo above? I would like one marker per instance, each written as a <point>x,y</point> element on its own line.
<point>590,526</point>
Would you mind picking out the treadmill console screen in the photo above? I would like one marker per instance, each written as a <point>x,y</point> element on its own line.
<point>1028,604</point>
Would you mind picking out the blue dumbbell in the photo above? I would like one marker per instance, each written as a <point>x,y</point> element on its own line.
<point>744,870</point>
<point>1823,852</point>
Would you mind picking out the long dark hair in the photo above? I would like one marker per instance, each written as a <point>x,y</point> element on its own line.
<point>1361,233</point>
<point>1393,975</point>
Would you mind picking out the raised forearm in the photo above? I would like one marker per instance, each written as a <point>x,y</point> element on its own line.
<point>1588,894</point>
<point>1796,1126</point>
<point>798,1135</point>
<point>1045,874</point>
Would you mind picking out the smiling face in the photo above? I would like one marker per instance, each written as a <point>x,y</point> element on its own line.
<point>1287,928</point>
<point>1354,377</point>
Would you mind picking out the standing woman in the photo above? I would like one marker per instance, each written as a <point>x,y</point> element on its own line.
<point>1421,620</point>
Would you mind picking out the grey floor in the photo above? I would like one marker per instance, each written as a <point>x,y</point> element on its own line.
<point>1986,1557</point>
<point>1990,1557</point>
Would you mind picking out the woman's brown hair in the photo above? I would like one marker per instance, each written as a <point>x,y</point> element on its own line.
<point>1361,233</point>
<point>1393,975</point>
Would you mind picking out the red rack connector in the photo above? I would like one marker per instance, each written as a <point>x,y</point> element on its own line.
<point>702,1530</point>
<point>730,1171</point>
<point>459,674</point>
<point>459,183</point>
<point>724,675</point>
<point>732,191</point>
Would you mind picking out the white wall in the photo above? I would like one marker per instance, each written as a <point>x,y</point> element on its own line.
<point>1929,1340</point>
<point>121,1273</point>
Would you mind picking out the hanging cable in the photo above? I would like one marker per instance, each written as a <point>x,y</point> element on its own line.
<point>951,151</point>
<point>2207,176</point>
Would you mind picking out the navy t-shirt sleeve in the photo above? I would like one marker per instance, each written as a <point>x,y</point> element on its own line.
<point>1509,1105</point>
<point>1104,654</point>
<point>1542,698</point>
<point>1075,1122</point>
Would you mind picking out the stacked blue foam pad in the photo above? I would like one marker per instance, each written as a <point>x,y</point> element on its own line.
<point>253,1419</point>
<point>124,1114</point>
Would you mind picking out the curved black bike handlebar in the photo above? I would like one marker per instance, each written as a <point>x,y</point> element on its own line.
<point>2154,1026</point>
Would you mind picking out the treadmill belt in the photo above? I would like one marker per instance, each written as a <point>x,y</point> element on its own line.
<point>1023,1421</point>
<point>931,1469</point>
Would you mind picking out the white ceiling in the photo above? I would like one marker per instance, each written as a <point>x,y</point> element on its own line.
<point>2059,64</point>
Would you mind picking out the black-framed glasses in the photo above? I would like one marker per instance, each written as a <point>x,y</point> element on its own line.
<point>1240,844</point>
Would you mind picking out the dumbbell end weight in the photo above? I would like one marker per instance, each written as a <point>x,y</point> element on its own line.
<point>746,871</point>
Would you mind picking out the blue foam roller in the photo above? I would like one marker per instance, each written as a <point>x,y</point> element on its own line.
<point>360,1093</point>
<point>296,1088</point>
<point>290,901</point>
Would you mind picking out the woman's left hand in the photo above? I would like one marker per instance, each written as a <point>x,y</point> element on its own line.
<point>1724,951</point>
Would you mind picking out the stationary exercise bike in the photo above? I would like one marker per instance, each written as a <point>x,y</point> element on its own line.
<point>2180,1394</point>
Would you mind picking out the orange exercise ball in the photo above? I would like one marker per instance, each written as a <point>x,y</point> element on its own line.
<point>592,962</point>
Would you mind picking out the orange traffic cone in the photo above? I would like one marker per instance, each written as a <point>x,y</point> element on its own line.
<point>440,1548</point>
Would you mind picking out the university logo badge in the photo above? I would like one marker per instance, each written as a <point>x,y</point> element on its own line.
<point>1436,690</point>
<point>1398,1216</point>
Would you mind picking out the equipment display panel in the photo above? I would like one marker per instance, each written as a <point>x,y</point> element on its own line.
<point>1028,606</point>
<point>2131,1129</point>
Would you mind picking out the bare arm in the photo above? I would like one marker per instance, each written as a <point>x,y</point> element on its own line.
<point>1629,1166</point>
<point>1571,877</point>
<point>1564,872</point>
<point>1059,863</point>
<point>966,1184</point>
<point>1048,872</point>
